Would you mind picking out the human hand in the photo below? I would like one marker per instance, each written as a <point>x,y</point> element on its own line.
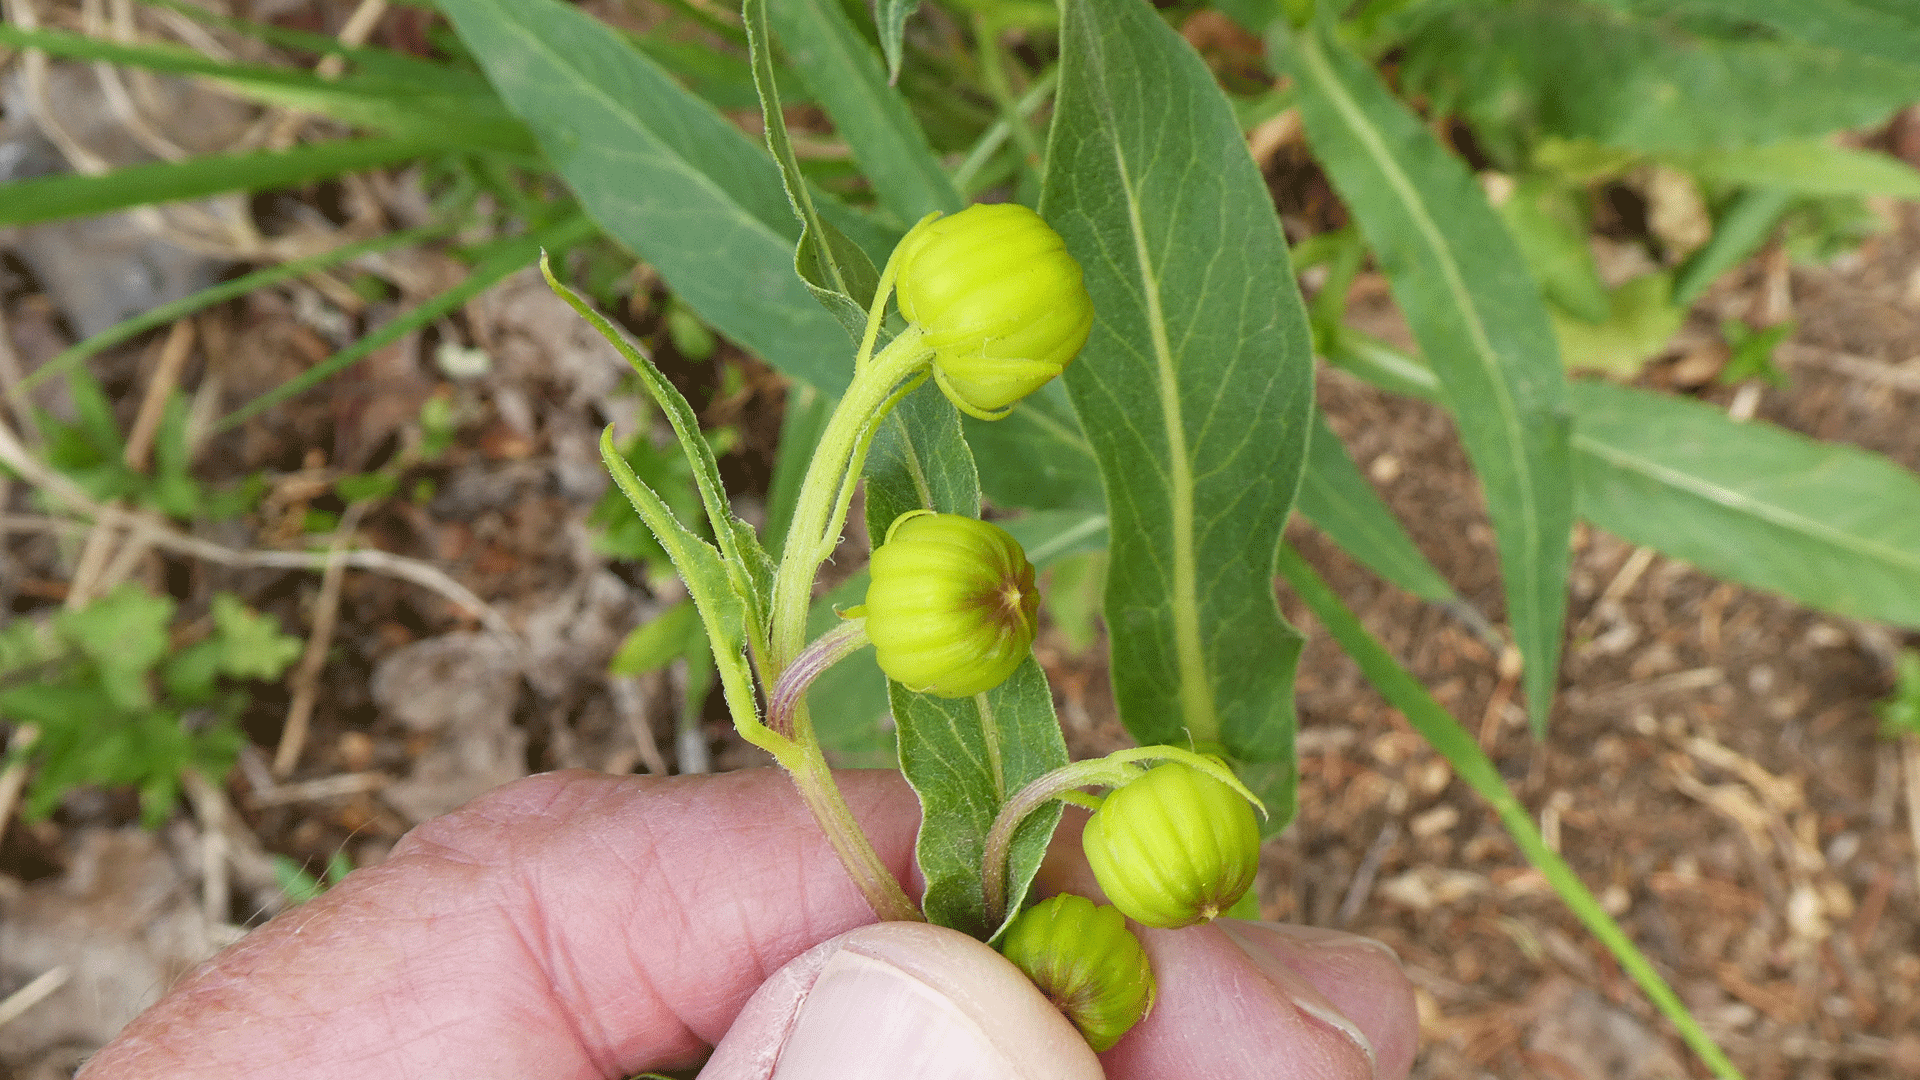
<point>574,925</point>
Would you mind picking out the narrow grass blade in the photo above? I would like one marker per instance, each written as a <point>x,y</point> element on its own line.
<point>1476,312</point>
<point>51,198</point>
<point>1471,764</point>
<point>74,355</point>
<point>494,269</point>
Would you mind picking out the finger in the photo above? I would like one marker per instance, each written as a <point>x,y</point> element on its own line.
<point>1358,976</point>
<point>1225,1010</point>
<point>901,1000</point>
<point>1236,993</point>
<point>569,925</point>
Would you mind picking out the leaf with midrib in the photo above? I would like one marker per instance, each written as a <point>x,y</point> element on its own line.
<point>1477,315</point>
<point>966,756</point>
<point>1195,387</point>
<point>665,175</point>
<point>1833,527</point>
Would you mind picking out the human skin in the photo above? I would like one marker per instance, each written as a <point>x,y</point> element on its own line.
<point>575,925</point>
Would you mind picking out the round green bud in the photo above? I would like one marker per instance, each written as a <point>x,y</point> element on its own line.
<point>1086,961</point>
<point>1173,847</point>
<point>952,607</point>
<point>998,300</point>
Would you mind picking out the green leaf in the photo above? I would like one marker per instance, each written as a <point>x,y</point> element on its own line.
<point>1476,313</point>
<point>665,175</point>
<point>251,645</point>
<point>124,633</point>
<point>1518,68</point>
<point>1738,232</point>
<point>1195,389</point>
<point>891,18</point>
<point>919,461</point>
<point>1812,167</point>
<point>805,420</point>
<point>1051,535</point>
<point>1830,526</point>
<point>1341,503</point>
<point>1037,457</point>
<point>1641,319</point>
<point>1900,712</point>
<point>657,642</point>
<point>1547,224</point>
<point>1883,29</point>
<point>838,273</point>
<point>852,716</point>
<point>964,757</point>
<point>839,67</point>
<point>1472,765</point>
<point>723,610</point>
<point>50,198</point>
<point>745,560</point>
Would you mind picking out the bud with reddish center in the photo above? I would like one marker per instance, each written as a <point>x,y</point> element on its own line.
<point>1086,961</point>
<point>952,607</point>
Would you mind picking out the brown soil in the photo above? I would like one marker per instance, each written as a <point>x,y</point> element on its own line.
<point>1712,769</point>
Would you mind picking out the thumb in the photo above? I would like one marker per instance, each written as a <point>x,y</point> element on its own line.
<point>900,999</point>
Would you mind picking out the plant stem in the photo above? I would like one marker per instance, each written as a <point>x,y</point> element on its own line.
<point>814,779</point>
<point>826,650</point>
<point>817,514</point>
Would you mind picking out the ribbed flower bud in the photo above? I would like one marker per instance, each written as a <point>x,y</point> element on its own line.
<point>998,300</point>
<point>951,610</point>
<point>1174,847</point>
<point>1086,961</point>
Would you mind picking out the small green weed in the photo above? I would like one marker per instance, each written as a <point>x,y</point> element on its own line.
<point>117,702</point>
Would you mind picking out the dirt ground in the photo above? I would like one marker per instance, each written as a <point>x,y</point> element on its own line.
<point>1713,768</point>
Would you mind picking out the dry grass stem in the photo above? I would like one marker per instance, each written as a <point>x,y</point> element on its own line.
<point>306,678</point>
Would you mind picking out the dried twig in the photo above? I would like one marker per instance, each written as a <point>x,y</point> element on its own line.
<point>160,534</point>
<point>33,993</point>
<point>14,776</point>
<point>306,679</point>
<point>1910,754</point>
<point>210,806</point>
<point>166,377</point>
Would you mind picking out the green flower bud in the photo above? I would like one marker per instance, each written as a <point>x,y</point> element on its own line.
<point>951,610</point>
<point>1086,961</point>
<point>1174,847</point>
<point>998,300</point>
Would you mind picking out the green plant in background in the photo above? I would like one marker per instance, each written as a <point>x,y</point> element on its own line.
<point>1185,433</point>
<point>299,886</point>
<point>1900,713</point>
<point>117,702</point>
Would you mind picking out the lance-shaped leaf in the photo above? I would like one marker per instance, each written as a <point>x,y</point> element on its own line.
<point>963,756</point>
<point>722,610</point>
<point>1833,527</point>
<point>890,16</point>
<point>665,175</point>
<point>1476,313</point>
<point>1195,387</point>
